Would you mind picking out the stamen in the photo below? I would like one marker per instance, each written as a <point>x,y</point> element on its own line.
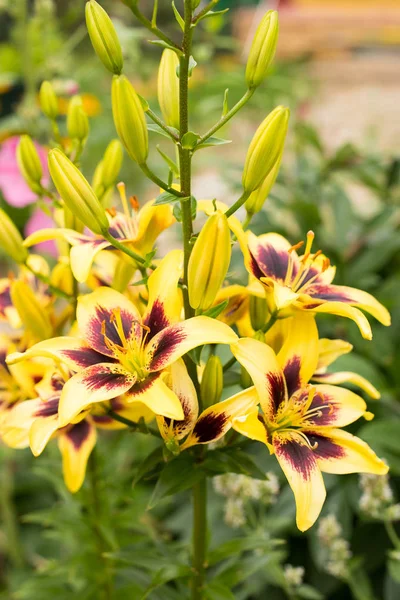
<point>112,211</point>
<point>310,239</point>
<point>134,202</point>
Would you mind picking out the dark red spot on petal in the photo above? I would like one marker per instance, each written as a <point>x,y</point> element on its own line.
<point>292,374</point>
<point>328,409</point>
<point>48,408</point>
<point>156,320</point>
<point>325,448</point>
<point>298,455</point>
<point>209,427</point>
<point>79,433</point>
<point>272,262</point>
<point>95,332</point>
<point>169,339</point>
<point>331,293</point>
<point>101,378</point>
<point>141,386</point>
<point>86,357</point>
<point>277,387</point>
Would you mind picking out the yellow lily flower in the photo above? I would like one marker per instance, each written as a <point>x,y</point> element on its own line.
<point>123,352</point>
<point>300,423</point>
<point>138,229</point>
<point>290,282</point>
<point>34,423</point>
<point>328,352</point>
<point>212,424</point>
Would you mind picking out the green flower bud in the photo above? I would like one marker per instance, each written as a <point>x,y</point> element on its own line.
<point>29,163</point>
<point>129,119</point>
<point>265,148</point>
<point>209,261</point>
<point>245,379</point>
<point>257,198</point>
<point>212,381</point>
<point>258,312</point>
<point>77,120</point>
<point>33,317</point>
<point>48,100</point>
<point>11,240</point>
<point>259,336</point>
<point>263,49</point>
<point>76,192</point>
<point>103,37</point>
<point>168,88</point>
<point>112,163</point>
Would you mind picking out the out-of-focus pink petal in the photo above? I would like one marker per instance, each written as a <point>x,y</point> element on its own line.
<point>39,220</point>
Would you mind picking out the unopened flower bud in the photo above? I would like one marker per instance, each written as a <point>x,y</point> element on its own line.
<point>77,120</point>
<point>48,100</point>
<point>112,163</point>
<point>103,37</point>
<point>257,198</point>
<point>212,381</point>
<point>209,261</point>
<point>33,317</point>
<point>76,192</point>
<point>11,240</point>
<point>265,148</point>
<point>262,49</point>
<point>168,87</point>
<point>29,163</point>
<point>258,313</point>
<point>129,119</point>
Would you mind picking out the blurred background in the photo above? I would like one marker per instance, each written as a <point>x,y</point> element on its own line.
<point>338,68</point>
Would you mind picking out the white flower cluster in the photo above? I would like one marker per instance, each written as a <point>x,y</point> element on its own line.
<point>336,547</point>
<point>377,499</point>
<point>293,575</point>
<point>239,489</point>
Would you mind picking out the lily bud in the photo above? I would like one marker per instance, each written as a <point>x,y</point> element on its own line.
<point>30,311</point>
<point>29,163</point>
<point>76,192</point>
<point>77,121</point>
<point>263,49</point>
<point>48,100</point>
<point>11,240</point>
<point>103,37</point>
<point>212,381</point>
<point>265,148</point>
<point>258,312</point>
<point>168,88</point>
<point>257,198</point>
<point>129,119</point>
<point>209,261</point>
<point>112,163</point>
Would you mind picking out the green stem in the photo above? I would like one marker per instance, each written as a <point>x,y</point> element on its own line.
<point>273,319</point>
<point>199,537</point>
<point>237,204</point>
<point>131,253</point>
<point>204,11</point>
<point>153,177</point>
<point>223,120</point>
<point>247,221</point>
<point>151,26</point>
<point>132,424</point>
<point>105,576</point>
<point>54,289</point>
<point>161,124</point>
<point>390,530</point>
<point>229,364</point>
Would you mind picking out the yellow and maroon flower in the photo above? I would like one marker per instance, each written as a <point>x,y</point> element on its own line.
<point>138,229</point>
<point>300,423</point>
<point>290,282</point>
<point>212,424</point>
<point>33,423</point>
<point>123,352</point>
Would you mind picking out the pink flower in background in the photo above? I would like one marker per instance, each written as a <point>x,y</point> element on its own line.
<point>17,193</point>
<point>12,185</point>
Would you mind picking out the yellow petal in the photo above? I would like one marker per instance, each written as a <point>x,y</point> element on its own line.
<point>82,257</point>
<point>348,377</point>
<point>299,464</point>
<point>330,350</point>
<point>261,363</point>
<point>97,383</point>
<point>342,310</point>
<point>164,305</point>
<point>250,426</point>
<point>152,221</point>
<point>342,406</point>
<point>43,235</point>
<point>156,395</point>
<point>75,446</point>
<point>40,433</point>
<point>340,452</point>
<point>216,420</point>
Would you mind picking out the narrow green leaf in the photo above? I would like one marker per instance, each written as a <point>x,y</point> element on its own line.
<point>157,129</point>
<point>215,311</point>
<point>166,198</point>
<point>178,17</point>
<point>177,475</point>
<point>144,103</point>
<point>225,107</point>
<point>162,44</point>
<point>192,65</point>
<point>213,13</point>
<point>213,141</point>
<point>171,164</point>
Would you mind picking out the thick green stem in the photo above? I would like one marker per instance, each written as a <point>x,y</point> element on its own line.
<point>199,538</point>
<point>105,576</point>
<point>223,120</point>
